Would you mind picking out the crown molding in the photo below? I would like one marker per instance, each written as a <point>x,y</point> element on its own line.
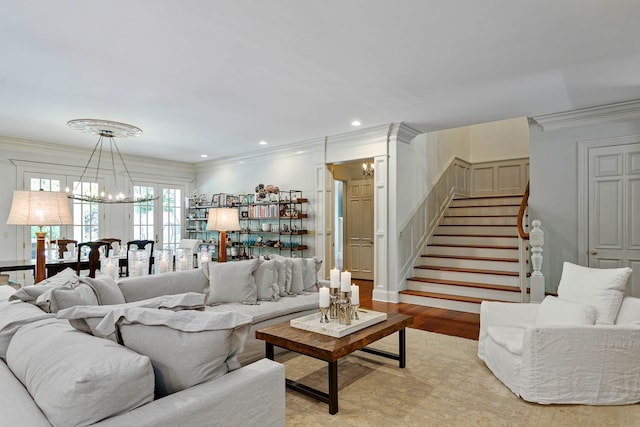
<point>628,110</point>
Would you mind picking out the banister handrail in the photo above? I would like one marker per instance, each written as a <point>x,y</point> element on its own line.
<point>523,206</point>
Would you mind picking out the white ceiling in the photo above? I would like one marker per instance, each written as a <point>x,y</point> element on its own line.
<point>216,77</point>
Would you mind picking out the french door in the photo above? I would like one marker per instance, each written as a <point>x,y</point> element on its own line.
<point>159,220</point>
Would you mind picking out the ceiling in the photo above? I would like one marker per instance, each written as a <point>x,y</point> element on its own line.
<point>215,77</point>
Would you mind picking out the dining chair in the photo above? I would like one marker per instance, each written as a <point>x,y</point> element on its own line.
<point>94,255</point>
<point>141,244</point>
<point>62,246</point>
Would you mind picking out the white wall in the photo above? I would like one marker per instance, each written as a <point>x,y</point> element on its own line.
<point>554,188</point>
<point>500,140</point>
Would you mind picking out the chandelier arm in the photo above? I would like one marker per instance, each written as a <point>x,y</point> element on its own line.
<point>84,171</point>
<point>113,163</point>
<point>99,158</point>
<point>124,165</point>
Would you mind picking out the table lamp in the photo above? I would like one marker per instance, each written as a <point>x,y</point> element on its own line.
<point>39,208</point>
<point>223,220</point>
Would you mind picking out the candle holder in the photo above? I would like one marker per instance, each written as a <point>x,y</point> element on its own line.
<point>333,302</point>
<point>344,309</point>
<point>354,311</point>
<point>323,315</point>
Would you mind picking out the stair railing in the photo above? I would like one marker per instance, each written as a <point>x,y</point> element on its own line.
<point>535,240</point>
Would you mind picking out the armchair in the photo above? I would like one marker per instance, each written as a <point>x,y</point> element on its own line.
<point>567,351</point>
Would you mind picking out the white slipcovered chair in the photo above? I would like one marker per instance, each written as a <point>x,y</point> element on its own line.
<point>582,347</point>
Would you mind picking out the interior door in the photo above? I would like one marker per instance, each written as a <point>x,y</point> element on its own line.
<point>161,219</point>
<point>359,229</point>
<point>614,209</point>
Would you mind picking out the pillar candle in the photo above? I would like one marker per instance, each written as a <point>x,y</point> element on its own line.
<point>355,295</point>
<point>183,263</point>
<point>345,281</point>
<point>163,266</point>
<point>335,278</point>
<point>138,268</point>
<point>324,297</point>
<point>110,270</point>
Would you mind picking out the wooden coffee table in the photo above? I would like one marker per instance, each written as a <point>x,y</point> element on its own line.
<point>331,349</point>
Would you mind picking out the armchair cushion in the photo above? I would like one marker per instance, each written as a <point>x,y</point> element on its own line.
<point>603,288</point>
<point>629,313</point>
<point>556,311</point>
<point>509,338</point>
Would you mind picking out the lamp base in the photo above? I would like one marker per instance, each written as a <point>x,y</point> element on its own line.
<point>40,259</point>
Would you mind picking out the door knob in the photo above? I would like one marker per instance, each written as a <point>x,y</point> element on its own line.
<point>593,252</point>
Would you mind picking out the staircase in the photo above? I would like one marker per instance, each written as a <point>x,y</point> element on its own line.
<point>472,256</point>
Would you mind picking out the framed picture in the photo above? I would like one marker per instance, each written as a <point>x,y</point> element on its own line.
<point>242,199</point>
<point>215,200</point>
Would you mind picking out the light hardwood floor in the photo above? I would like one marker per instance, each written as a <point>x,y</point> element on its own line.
<point>448,322</point>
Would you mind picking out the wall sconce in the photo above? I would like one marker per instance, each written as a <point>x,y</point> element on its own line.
<point>367,169</point>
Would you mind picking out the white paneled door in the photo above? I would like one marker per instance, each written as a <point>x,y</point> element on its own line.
<point>359,229</point>
<point>614,209</point>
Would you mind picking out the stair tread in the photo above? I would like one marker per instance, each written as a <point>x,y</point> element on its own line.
<point>496,196</point>
<point>485,206</point>
<point>479,225</point>
<point>448,297</point>
<point>472,235</point>
<point>466,284</point>
<point>481,216</point>
<point>472,258</point>
<point>468,270</point>
<point>452,245</point>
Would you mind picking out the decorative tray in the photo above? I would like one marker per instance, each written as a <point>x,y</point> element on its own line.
<point>334,328</point>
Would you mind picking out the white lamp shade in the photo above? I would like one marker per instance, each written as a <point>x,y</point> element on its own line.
<point>223,219</point>
<point>39,208</point>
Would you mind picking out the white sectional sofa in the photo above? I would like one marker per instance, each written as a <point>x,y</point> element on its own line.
<point>63,368</point>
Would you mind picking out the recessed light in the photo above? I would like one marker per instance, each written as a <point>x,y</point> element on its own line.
<point>262,142</point>
<point>203,156</point>
<point>356,123</point>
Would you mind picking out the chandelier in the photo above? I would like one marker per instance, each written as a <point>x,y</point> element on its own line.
<point>367,169</point>
<point>106,131</point>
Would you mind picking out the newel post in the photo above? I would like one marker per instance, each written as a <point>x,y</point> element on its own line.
<point>536,283</point>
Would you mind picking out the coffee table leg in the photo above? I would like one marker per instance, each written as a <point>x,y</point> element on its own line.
<point>269,353</point>
<point>333,387</point>
<point>402,346</point>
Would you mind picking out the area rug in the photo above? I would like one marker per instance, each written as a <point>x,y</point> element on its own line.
<point>444,384</point>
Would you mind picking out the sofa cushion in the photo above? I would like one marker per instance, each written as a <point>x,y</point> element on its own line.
<point>297,276</point>
<point>13,315</point>
<point>233,282</point>
<point>77,379</point>
<point>87,318</point>
<point>629,313</point>
<point>105,288</point>
<point>5,292</point>
<point>603,288</point>
<point>151,286</point>
<point>266,276</point>
<point>281,267</point>
<point>186,347</point>
<point>266,310</point>
<point>556,311</point>
<point>510,338</point>
<point>18,407</point>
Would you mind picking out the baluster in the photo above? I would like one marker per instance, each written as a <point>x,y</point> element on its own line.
<point>536,283</point>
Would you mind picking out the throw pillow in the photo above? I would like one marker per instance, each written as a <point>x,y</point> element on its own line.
<point>310,277</point>
<point>297,276</point>
<point>629,313</point>
<point>62,297</point>
<point>30,294</point>
<point>233,282</point>
<point>77,379</point>
<point>281,267</point>
<point>555,311</point>
<point>106,289</point>
<point>186,348</point>
<point>266,276</point>
<point>14,315</point>
<point>603,288</point>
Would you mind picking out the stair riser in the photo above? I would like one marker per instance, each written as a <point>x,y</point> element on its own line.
<point>467,307</point>
<point>473,240</point>
<point>457,276</point>
<point>511,231</point>
<point>466,251</point>
<point>515,200</point>
<point>470,263</point>
<point>481,211</point>
<point>439,288</point>
<point>479,220</point>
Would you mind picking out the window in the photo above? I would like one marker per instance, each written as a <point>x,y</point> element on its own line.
<point>171,217</point>
<point>143,214</point>
<point>53,232</point>
<point>164,212</point>
<point>86,215</point>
